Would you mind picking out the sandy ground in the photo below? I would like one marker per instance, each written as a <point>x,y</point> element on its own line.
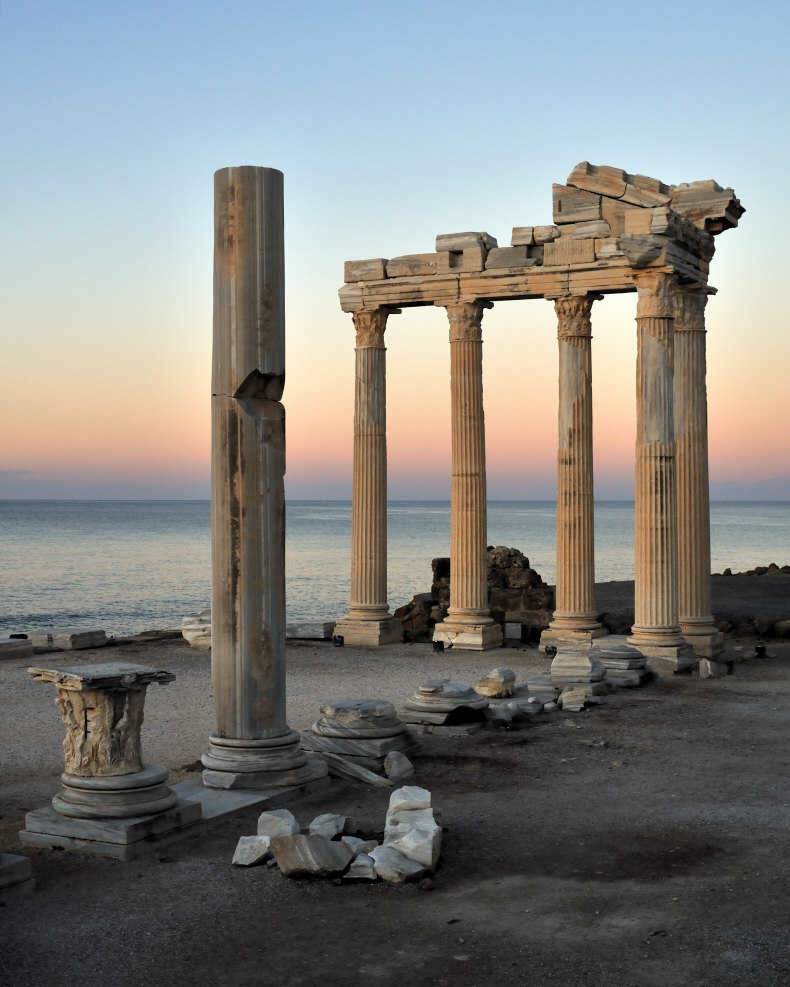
<point>643,842</point>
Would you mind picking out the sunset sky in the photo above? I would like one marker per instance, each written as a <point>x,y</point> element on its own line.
<point>392,123</point>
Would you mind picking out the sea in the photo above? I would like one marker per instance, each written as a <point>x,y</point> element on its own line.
<point>132,566</point>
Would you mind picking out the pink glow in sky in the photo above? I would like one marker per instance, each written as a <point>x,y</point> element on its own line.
<point>387,136</point>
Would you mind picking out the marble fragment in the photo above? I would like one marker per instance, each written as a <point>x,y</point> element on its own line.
<point>499,683</point>
<point>397,767</point>
<point>391,865</point>
<point>407,798</point>
<point>251,850</point>
<point>343,768</point>
<point>314,856</point>
<point>372,269</point>
<point>359,845</point>
<point>277,822</point>
<point>330,824</point>
<point>420,843</point>
<point>362,868</point>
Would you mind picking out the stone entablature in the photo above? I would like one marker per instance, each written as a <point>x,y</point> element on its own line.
<point>606,223</point>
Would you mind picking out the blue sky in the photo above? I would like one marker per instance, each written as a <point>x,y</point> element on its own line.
<point>392,123</point>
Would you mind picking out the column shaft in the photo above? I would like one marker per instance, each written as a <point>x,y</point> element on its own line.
<point>469,623</point>
<point>693,493</point>
<point>656,632</point>
<point>368,620</point>
<point>574,618</point>
<point>253,747</point>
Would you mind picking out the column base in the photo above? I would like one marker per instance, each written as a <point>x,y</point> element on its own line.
<point>705,639</point>
<point>370,633</point>
<point>257,764</point>
<point>670,654</point>
<point>139,793</point>
<point>468,637</point>
<point>576,665</point>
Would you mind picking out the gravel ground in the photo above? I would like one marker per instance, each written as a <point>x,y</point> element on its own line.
<point>640,842</point>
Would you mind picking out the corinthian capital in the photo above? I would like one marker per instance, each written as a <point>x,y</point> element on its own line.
<point>690,302</point>
<point>573,315</point>
<point>656,294</point>
<point>465,319</point>
<point>370,327</point>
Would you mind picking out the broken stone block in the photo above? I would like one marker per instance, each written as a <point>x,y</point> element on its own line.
<point>310,856</point>
<point>373,269</point>
<point>464,241</point>
<point>420,843</point>
<point>407,798</point>
<point>576,665</point>
<point>503,257</point>
<point>251,850</point>
<point>573,700</point>
<point>341,767</point>
<point>330,824</point>
<point>412,265</point>
<point>574,205</point>
<point>277,822</point>
<point>499,683</point>
<point>358,845</point>
<point>523,236</point>
<point>598,178</point>
<point>397,767</point>
<point>569,251</point>
<point>439,697</point>
<point>595,230</point>
<point>66,640</point>
<point>16,647</point>
<point>545,234</point>
<point>391,865</point>
<point>362,868</point>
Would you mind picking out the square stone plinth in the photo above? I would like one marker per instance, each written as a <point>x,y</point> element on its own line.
<point>666,658</point>
<point>566,638</point>
<point>468,637</point>
<point>369,633</point>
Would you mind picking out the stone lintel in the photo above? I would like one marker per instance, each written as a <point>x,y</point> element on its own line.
<point>468,637</point>
<point>369,633</point>
<point>108,675</point>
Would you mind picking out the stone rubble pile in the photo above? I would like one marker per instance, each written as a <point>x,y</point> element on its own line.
<point>410,849</point>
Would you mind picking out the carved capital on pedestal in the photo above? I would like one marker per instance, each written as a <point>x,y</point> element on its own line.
<point>656,293</point>
<point>465,319</point>
<point>573,315</point>
<point>370,327</point>
<point>690,302</point>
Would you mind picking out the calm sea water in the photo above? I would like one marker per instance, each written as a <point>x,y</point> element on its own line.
<point>129,566</point>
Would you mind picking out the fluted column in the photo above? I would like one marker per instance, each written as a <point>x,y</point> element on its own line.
<point>693,492</point>
<point>469,623</point>
<point>575,616</point>
<point>656,630</point>
<point>369,621</point>
<point>253,746</point>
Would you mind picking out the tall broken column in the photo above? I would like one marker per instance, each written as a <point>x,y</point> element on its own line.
<point>693,492</point>
<point>656,631</point>
<point>468,623</point>
<point>574,618</point>
<point>253,746</point>
<point>368,621</point>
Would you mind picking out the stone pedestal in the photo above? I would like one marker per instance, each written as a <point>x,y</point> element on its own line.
<point>109,797</point>
<point>574,621</point>
<point>369,621</point>
<point>693,493</point>
<point>656,631</point>
<point>468,624</point>
<point>253,746</point>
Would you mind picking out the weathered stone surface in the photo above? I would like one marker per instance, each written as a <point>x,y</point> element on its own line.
<point>545,234</point>
<point>342,768</point>
<point>522,236</point>
<point>574,205</point>
<point>277,822</point>
<point>567,250</point>
<point>412,265</point>
<point>16,647</point>
<point>397,767</point>
<point>376,747</point>
<point>420,842</point>
<point>358,845</point>
<point>391,865</point>
<point>586,231</point>
<point>362,868</point>
<point>373,269</point>
<point>196,628</point>
<point>503,257</point>
<point>464,241</point>
<point>251,850</point>
<point>576,665</point>
<point>329,824</point>
<point>500,682</point>
<point>598,178</point>
<point>310,856</point>
<point>357,717</point>
<point>407,799</point>
<point>573,700</point>
<point>67,640</point>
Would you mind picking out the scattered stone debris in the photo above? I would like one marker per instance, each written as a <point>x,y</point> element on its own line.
<point>452,707</point>
<point>410,850</point>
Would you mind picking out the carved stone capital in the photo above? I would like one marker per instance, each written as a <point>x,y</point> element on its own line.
<point>655,293</point>
<point>690,302</point>
<point>465,319</point>
<point>370,327</point>
<point>573,315</point>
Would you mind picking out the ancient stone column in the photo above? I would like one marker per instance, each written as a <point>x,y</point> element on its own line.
<point>253,746</point>
<point>469,623</point>
<point>574,618</point>
<point>693,493</point>
<point>369,621</point>
<point>656,631</point>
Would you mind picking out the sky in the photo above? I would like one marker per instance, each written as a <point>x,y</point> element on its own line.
<point>392,123</point>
